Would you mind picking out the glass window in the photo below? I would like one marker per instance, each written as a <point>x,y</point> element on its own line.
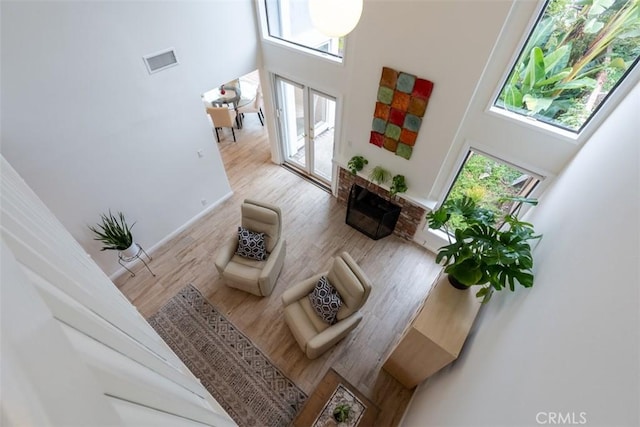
<point>289,20</point>
<point>486,180</point>
<point>575,57</point>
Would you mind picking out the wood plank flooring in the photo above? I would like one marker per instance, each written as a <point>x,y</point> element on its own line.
<point>314,227</point>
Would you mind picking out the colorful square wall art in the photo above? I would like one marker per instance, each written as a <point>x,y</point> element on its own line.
<point>401,103</point>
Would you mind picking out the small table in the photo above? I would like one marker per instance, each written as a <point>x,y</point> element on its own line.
<point>435,337</point>
<point>228,97</point>
<point>216,97</point>
<point>332,390</point>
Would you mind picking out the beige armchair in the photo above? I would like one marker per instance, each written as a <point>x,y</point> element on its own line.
<point>249,275</point>
<point>313,334</point>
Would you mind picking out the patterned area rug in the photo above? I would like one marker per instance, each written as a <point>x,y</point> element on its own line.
<point>236,373</point>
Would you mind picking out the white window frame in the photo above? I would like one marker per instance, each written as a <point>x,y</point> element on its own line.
<point>434,239</point>
<point>267,38</point>
<point>612,101</point>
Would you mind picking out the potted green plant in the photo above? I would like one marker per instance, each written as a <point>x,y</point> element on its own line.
<point>398,185</point>
<point>356,164</point>
<point>490,250</point>
<point>379,175</point>
<point>115,234</point>
<point>342,412</point>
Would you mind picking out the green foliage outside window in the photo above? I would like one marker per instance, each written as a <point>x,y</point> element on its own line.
<point>487,182</point>
<point>576,54</point>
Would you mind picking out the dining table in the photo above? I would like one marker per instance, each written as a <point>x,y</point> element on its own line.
<point>231,98</point>
<point>217,98</point>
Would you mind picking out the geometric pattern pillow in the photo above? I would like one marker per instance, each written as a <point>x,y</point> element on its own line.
<point>251,244</point>
<point>325,300</point>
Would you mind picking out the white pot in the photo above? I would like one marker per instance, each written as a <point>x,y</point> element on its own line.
<point>131,251</point>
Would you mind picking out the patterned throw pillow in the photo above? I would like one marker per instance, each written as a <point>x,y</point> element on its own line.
<point>325,300</point>
<point>251,244</point>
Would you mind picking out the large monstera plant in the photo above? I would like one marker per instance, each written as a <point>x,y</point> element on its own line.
<point>490,249</point>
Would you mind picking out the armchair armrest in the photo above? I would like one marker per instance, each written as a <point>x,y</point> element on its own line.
<point>300,290</point>
<point>275,257</point>
<point>330,336</point>
<point>226,253</point>
<point>272,267</point>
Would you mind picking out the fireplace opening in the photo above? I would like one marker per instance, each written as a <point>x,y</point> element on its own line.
<point>371,214</point>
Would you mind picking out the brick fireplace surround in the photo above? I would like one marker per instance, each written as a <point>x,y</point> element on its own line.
<point>410,216</point>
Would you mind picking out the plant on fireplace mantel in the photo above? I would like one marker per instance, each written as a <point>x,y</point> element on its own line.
<point>356,164</point>
<point>379,175</point>
<point>489,250</point>
<point>398,185</point>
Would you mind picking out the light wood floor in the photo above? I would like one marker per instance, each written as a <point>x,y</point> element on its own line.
<point>315,230</point>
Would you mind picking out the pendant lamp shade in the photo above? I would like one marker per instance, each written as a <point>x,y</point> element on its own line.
<point>335,18</point>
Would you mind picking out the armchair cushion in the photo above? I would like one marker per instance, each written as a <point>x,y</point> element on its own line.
<point>348,285</point>
<point>325,300</point>
<point>262,218</point>
<point>256,276</point>
<point>251,244</point>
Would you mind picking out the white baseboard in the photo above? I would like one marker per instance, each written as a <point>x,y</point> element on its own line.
<point>174,233</point>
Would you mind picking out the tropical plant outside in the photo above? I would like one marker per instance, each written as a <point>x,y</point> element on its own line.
<point>577,53</point>
<point>488,182</point>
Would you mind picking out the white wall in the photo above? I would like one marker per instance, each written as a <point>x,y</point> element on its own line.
<point>90,130</point>
<point>430,39</point>
<point>570,344</point>
<point>442,41</point>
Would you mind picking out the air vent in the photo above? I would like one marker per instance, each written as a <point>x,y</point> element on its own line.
<point>160,60</point>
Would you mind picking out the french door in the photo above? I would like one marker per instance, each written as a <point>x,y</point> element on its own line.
<point>307,128</point>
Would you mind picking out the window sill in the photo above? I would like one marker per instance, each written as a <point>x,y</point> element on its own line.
<point>304,50</point>
<point>535,124</point>
<point>433,240</point>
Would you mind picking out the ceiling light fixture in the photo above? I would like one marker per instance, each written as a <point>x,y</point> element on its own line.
<point>335,18</point>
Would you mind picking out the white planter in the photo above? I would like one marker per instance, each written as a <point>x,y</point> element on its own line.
<point>131,251</point>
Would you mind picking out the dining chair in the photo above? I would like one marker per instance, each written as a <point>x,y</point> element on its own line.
<point>222,117</point>
<point>253,107</point>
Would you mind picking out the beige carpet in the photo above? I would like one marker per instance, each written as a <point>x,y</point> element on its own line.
<point>247,385</point>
